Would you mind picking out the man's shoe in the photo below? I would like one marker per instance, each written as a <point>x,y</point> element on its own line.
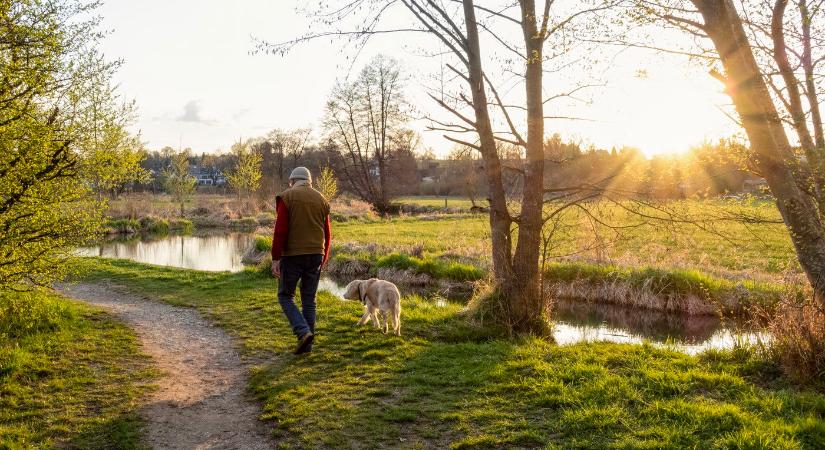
<point>304,344</point>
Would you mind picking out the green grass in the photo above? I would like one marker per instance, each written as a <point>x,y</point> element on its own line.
<point>149,224</point>
<point>435,268</point>
<point>70,376</point>
<point>437,202</point>
<point>154,225</point>
<point>665,260</point>
<point>723,248</point>
<point>447,383</point>
<point>672,283</point>
<point>246,223</point>
<point>181,225</point>
<point>122,226</point>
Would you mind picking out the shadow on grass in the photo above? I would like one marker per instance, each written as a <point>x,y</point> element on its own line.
<point>120,432</point>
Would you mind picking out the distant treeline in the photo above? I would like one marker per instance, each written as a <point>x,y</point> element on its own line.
<point>711,169</point>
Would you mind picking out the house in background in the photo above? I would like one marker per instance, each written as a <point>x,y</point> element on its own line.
<point>206,176</point>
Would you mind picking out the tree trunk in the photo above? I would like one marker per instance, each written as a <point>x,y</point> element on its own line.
<point>500,220</point>
<point>524,289</point>
<point>773,154</point>
<point>382,182</point>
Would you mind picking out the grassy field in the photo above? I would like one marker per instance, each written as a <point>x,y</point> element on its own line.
<point>70,376</point>
<point>724,247</point>
<point>446,383</point>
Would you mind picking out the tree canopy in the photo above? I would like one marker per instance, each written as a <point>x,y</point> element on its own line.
<point>58,111</point>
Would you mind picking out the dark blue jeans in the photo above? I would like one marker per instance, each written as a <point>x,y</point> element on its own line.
<point>307,270</point>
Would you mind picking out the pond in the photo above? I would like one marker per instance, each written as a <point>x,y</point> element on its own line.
<point>210,252</point>
<point>574,321</point>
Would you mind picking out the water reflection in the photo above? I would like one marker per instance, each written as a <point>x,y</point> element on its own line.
<point>576,322</point>
<point>212,253</point>
<point>582,322</point>
<point>333,287</point>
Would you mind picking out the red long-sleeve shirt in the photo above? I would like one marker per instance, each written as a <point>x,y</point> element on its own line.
<point>282,231</point>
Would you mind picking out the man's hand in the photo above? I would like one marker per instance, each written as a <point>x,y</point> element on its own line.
<point>276,268</point>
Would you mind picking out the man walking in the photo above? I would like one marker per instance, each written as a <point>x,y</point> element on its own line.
<point>300,247</point>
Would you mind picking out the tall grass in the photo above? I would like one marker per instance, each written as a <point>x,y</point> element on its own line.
<point>154,225</point>
<point>656,288</point>
<point>122,226</point>
<point>798,330</point>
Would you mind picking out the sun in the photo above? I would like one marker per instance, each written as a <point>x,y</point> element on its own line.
<point>664,110</point>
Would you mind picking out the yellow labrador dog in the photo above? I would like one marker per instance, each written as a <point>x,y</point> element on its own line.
<point>377,295</point>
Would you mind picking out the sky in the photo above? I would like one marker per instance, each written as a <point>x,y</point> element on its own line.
<point>190,68</point>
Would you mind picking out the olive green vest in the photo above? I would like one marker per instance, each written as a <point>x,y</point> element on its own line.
<point>308,211</point>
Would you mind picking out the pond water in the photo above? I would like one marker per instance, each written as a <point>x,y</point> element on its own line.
<point>210,252</point>
<point>574,321</point>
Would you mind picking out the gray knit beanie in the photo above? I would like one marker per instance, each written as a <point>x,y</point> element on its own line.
<point>300,173</point>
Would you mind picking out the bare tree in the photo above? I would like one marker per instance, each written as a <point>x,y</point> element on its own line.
<point>282,144</point>
<point>366,118</point>
<point>522,32</point>
<point>769,66</point>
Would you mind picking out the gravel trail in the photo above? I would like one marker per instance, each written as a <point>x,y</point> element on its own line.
<point>201,402</point>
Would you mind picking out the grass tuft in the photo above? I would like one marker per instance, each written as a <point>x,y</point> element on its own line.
<point>799,340</point>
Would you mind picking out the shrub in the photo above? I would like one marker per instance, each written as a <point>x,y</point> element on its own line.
<point>27,313</point>
<point>798,330</point>
<point>122,226</point>
<point>207,222</point>
<point>264,266</point>
<point>263,243</point>
<point>336,217</point>
<point>182,225</point>
<point>247,223</point>
<point>154,225</point>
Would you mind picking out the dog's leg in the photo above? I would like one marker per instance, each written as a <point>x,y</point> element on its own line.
<point>364,319</point>
<point>375,316</point>
<point>386,321</point>
<point>397,322</point>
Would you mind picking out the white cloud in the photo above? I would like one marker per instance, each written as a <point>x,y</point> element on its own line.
<point>193,112</point>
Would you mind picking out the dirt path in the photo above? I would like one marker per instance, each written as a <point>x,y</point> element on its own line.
<point>201,402</point>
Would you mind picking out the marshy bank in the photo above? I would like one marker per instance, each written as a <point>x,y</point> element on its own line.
<point>681,291</point>
<point>574,320</point>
